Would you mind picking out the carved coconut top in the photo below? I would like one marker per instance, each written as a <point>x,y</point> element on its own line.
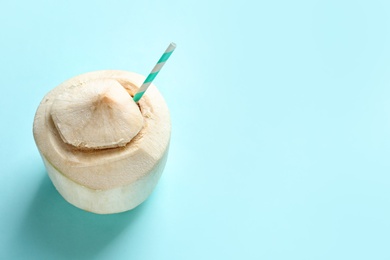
<point>96,114</point>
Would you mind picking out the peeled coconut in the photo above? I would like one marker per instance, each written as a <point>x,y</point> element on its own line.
<point>103,152</point>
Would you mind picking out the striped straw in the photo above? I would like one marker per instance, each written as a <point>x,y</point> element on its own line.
<point>154,72</point>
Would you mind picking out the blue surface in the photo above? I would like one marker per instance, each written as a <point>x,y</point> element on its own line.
<point>281,128</point>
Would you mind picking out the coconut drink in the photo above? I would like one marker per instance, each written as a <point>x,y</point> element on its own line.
<point>104,139</point>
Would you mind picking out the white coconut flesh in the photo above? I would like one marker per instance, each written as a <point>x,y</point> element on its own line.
<point>103,152</point>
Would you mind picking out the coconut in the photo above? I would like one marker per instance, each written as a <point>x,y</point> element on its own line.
<point>103,152</point>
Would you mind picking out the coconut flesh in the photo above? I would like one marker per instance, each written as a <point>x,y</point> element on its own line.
<point>103,152</point>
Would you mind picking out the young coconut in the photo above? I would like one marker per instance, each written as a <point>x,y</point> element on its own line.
<point>103,152</point>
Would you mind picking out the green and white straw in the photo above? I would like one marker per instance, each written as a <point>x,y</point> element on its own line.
<point>154,72</point>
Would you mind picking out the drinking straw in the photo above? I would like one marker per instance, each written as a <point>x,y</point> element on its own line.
<point>154,72</point>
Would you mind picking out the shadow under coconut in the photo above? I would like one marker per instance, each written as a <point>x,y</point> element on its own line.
<point>52,224</point>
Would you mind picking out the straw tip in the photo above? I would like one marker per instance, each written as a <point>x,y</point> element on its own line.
<point>173,44</point>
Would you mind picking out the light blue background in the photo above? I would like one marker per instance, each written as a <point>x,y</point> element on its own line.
<point>281,128</point>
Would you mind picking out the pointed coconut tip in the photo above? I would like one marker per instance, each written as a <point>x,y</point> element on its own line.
<point>98,114</point>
